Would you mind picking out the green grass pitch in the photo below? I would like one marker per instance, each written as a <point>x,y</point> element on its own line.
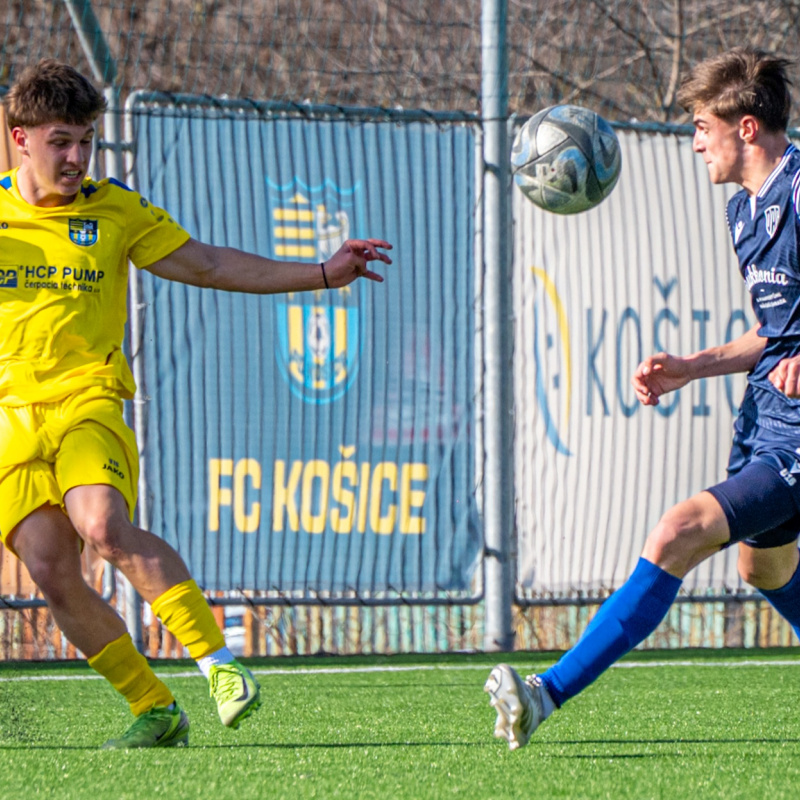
<point>693,724</point>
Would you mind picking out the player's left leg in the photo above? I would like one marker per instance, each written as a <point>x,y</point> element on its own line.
<point>775,572</point>
<point>755,505</point>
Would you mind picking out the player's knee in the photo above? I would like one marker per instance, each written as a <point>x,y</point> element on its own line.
<point>671,544</point>
<point>749,572</point>
<point>669,535</point>
<point>104,535</point>
<point>764,569</point>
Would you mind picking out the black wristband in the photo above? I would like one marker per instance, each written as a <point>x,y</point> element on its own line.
<point>324,276</point>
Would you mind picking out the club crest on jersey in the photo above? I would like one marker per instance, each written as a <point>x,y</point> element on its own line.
<point>319,334</point>
<point>83,232</point>
<point>772,216</point>
<point>738,232</point>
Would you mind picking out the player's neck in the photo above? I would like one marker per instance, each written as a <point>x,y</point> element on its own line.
<point>760,161</point>
<point>35,193</point>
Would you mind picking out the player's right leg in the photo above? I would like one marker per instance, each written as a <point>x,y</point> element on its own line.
<point>756,505</point>
<point>763,490</point>
<point>48,546</point>
<point>685,535</point>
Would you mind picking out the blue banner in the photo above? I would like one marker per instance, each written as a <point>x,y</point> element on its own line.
<point>316,441</point>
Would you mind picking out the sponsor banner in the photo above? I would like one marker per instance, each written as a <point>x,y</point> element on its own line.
<point>652,268</point>
<point>314,441</point>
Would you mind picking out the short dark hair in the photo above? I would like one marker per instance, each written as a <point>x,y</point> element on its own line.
<point>51,91</point>
<point>741,81</point>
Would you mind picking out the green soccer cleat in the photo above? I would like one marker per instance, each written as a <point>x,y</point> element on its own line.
<point>158,727</point>
<point>236,692</point>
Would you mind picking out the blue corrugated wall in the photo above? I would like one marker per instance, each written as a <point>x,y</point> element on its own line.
<point>321,441</point>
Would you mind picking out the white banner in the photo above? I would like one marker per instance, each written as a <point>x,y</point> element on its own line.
<point>652,268</point>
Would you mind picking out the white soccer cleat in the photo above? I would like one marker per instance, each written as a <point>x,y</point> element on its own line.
<point>518,703</point>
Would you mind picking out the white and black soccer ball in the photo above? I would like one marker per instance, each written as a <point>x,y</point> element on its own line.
<point>566,159</point>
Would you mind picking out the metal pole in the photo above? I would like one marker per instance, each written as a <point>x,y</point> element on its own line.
<point>498,333</point>
<point>92,40</point>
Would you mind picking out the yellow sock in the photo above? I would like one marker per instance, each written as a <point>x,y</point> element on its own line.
<point>185,613</point>
<point>127,670</point>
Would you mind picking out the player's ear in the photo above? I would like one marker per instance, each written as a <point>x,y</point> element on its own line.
<point>20,138</point>
<point>749,127</point>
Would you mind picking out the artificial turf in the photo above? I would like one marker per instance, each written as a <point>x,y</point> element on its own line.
<point>665,725</point>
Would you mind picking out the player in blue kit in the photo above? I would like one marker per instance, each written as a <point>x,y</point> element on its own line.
<point>740,104</point>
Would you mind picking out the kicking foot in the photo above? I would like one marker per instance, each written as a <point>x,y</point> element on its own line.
<point>519,704</point>
<point>236,691</point>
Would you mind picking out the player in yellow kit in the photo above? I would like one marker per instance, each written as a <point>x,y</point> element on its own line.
<point>68,462</point>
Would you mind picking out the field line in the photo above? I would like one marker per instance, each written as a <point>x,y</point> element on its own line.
<point>355,670</point>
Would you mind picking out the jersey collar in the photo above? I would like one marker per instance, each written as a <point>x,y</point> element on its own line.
<point>777,171</point>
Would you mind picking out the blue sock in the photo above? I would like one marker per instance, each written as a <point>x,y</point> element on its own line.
<point>627,618</point>
<point>787,601</point>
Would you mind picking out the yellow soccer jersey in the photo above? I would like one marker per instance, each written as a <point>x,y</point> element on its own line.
<point>63,287</point>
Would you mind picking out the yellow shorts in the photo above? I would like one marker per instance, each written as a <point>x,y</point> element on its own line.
<point>46,449</point>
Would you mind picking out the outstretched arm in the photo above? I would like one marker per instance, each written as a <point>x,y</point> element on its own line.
<point>205,265</point>
<point>663,373</point>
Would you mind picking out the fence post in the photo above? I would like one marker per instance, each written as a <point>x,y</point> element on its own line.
<point>498,396</point>
<point>92,40</point>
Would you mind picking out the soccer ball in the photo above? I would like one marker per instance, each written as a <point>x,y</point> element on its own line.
<point>566,159</point>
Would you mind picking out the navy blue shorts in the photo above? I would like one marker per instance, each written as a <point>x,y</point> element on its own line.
<point>761,497</point>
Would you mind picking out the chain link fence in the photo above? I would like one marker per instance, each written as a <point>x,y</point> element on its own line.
<point>623,58</point>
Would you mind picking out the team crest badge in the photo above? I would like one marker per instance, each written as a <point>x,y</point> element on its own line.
<point>772,217</point>
<point>83,232</point>
<point>319,333</point>
<point>319,344</point>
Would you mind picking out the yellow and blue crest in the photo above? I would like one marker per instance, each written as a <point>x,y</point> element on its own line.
<point>318,333</point>
<point>83,232</point>
<point>319,341</point>
<point>311,222</point>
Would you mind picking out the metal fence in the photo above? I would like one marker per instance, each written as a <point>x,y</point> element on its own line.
<point>622,57</point>
<point>208,91</point>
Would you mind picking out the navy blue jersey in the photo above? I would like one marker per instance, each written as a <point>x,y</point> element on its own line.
<point>766,237</point>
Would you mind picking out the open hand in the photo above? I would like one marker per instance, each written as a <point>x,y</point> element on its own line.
<point>350,261</point>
